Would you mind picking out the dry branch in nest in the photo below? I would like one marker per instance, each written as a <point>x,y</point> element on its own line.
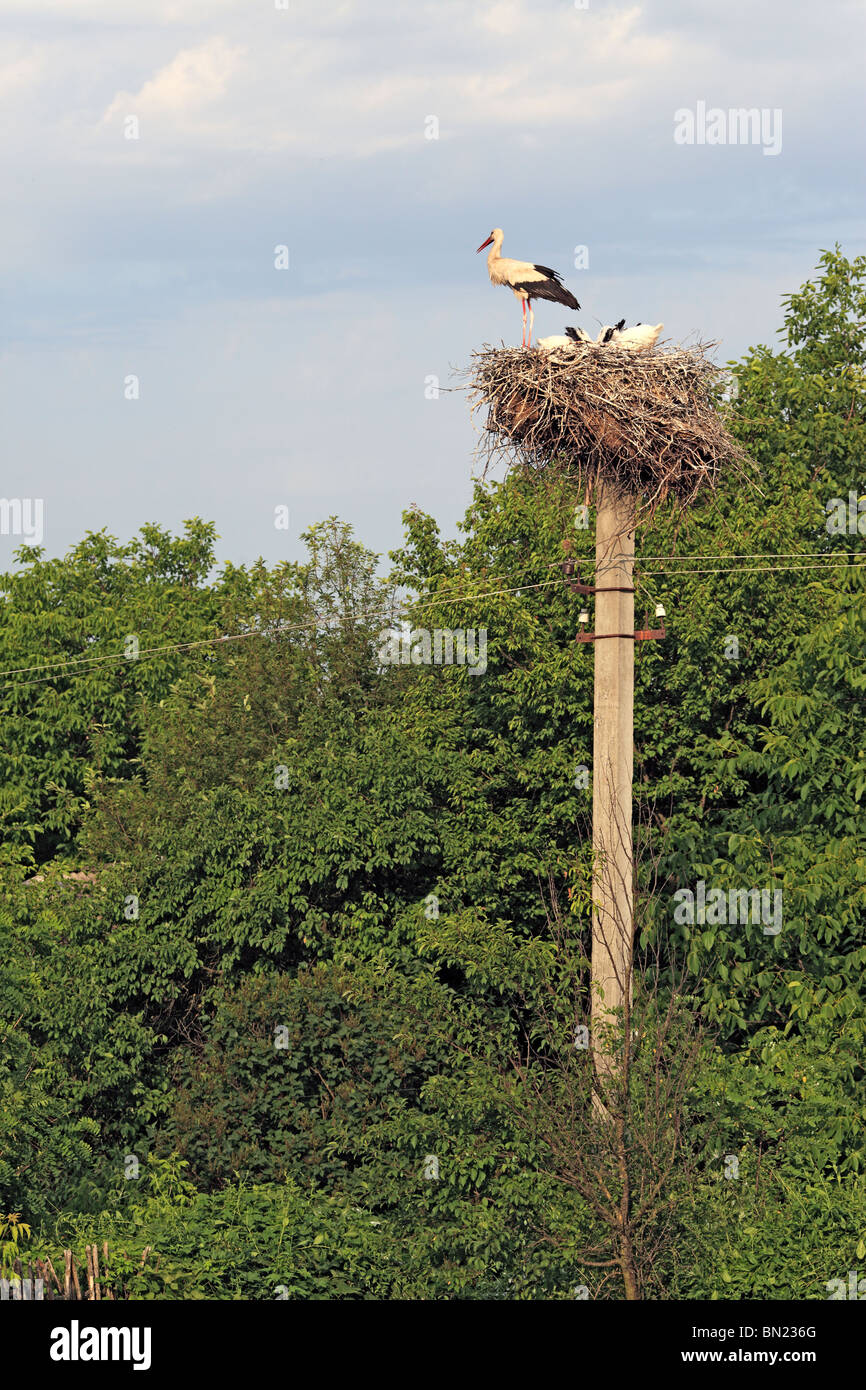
<point>643,423</point>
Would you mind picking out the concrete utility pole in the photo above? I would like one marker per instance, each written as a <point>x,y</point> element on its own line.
<point>613,759</point>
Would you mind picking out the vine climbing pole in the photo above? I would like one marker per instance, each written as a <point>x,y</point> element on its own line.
<point>613,770</point>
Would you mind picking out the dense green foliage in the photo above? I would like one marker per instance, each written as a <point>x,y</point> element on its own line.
<point>313,941</point>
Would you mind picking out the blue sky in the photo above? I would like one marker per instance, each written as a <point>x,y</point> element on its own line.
<point>305,127</point>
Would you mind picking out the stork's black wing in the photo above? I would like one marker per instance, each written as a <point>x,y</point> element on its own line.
<point>550,288</point>
<point>551,274</point>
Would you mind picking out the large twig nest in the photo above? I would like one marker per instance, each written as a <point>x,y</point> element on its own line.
<point>644,423</point>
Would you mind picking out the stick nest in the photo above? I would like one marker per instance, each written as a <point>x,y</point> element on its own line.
<point>645,423</point>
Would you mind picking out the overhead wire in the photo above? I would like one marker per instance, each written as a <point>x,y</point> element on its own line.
<point>53,670</point>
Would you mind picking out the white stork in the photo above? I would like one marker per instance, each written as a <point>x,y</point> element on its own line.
<point>569,340</point>
<point>641,338</point>
<point>555,342</point>
<point>526,280</point>
<point>605,334</point>
<point>638,339</point>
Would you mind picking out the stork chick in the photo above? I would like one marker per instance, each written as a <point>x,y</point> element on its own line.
<point>641,338</point>
<point>555,341</point>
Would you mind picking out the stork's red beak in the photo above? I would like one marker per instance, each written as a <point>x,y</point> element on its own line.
<point>484,243</point>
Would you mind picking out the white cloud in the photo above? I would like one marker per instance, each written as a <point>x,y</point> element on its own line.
<point>333,80</point>
<point>194,81</point>
<point>20,70</point>
<point>340,79</point>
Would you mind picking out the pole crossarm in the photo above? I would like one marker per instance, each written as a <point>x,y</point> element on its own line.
<point>641,634</point>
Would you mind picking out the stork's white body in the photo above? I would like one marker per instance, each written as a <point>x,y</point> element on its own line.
<point>638,339</point>
<point>641,338</point>
<point>555,341</point>
<point>519,276</point>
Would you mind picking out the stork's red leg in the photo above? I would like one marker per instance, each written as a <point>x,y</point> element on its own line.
<point>529,307</point>
<point>523,335</point>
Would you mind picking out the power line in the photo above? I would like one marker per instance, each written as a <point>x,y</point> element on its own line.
<point>440,600</point>
<point>238,636</point>
<point>755,555</point>
<point>754,569</point>
<point>80,662</point>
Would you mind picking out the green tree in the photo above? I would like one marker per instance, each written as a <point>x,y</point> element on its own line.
<point>70,701</point>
